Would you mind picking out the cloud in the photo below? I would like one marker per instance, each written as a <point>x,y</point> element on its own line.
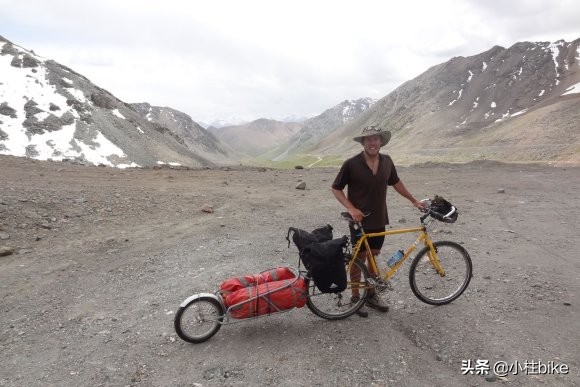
<point>529,20</point>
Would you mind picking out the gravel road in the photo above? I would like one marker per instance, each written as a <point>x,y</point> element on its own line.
<point>95,262</point>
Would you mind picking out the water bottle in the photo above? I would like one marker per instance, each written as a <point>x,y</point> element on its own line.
<point>395,258</point>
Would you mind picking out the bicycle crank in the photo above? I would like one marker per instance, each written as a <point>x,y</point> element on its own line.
<point>379,284</point>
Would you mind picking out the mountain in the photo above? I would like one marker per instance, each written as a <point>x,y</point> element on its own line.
<point>256,137</point>
<point>317,128</point>
<point>231,121</point>
<point>48,111</point>
<point>194,136</point>
<point>515,104</point>
<point>274,140</point>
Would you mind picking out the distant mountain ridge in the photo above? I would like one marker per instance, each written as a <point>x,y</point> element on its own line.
<point>516,104</point>
<point>315,129</point>
<point>520,104</point>
<point>256,137</point>
<point>201,141</point>
<point>48,111</point>
<point>275,140</point>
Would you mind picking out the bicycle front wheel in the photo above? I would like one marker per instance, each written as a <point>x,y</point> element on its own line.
<point>199,319</point>
<point>440,288</point>
<point>336,306</point>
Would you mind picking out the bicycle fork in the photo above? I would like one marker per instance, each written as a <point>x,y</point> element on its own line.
<point>432,256</point>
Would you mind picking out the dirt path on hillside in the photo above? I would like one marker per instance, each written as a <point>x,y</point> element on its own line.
<point>103,257</point>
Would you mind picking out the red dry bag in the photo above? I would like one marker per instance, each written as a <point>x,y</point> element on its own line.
<point>269,297</point>
<point>234,284</point>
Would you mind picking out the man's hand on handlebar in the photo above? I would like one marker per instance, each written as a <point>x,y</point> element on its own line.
<point>425,205</point>
<point>356,214</point>
<point>420,204</point>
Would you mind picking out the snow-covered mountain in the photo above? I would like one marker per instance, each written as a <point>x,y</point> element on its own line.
<point>48,111</point>
<point>520,103</point>
<point>315,129</point>
<point>195,137</point>
<point>276,140</point>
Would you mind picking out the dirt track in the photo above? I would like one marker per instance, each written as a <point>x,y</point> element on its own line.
<point>103,257</point>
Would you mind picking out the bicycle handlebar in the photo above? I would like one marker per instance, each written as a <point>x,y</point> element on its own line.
<point>453,211</point>
<point>428,211</point>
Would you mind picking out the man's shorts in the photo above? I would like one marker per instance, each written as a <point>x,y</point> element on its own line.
<point>375,243</point>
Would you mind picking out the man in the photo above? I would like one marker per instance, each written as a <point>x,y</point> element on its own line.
<point>367,175</point>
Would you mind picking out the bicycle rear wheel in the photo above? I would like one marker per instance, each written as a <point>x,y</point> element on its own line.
<point>336,306</point>
<point>435,288</point>
<point>199,319</point>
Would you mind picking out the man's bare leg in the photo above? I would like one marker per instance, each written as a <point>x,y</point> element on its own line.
<point>373,300</point>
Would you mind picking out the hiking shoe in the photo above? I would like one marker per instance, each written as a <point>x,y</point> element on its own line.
<point>376,303</point>
<point>362,312</point>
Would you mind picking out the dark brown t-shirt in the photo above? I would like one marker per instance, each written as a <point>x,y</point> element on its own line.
<point>366,191</point>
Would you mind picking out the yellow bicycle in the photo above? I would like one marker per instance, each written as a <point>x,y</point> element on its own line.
<point>439,273</point>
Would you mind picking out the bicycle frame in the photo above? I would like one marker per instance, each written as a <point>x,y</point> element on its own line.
<point>423,237</point>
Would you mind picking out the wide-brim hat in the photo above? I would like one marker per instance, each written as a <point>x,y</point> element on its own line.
<point>374,131</point>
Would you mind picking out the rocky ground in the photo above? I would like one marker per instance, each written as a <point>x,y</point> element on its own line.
<point>95,262</point>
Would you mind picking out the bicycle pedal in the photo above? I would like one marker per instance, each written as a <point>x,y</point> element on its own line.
<point>382,285</point>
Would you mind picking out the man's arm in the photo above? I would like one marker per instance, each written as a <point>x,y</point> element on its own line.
<point>404,192</point>
<point>356,214</point>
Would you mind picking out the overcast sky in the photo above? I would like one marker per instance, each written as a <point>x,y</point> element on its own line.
<point>247,59</point>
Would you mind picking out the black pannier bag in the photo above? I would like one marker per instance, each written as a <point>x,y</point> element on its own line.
<point>322,256</point>
<point>327,264</point>
<point>302,238</point>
